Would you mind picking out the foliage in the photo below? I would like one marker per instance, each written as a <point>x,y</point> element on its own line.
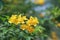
<point>11,31</point>
<point>55,14</point>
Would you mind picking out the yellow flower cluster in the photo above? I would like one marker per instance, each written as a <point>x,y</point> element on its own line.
<point>41,2</point>
<point>26,27</point>
<point>16,19</point>
<point>26,24</point>
<point>32,21</point>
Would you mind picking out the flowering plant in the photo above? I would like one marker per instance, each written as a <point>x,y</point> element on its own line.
<point>21,27</point>
<point>26,24</point>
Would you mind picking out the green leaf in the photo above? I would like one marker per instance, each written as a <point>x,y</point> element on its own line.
<point>28,38</point>
<point>39,29</point>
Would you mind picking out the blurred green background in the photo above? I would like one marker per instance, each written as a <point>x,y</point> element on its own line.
<point>48,13</point>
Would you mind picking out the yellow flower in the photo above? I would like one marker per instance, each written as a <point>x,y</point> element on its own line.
<point>13,19</point>
<point>32,21</point>
<point>21,19</point>
<point>24,18</point>
<point>41,2</point>
<point>23,27</point>
<point>58,24</point>
<point>27,27</point>
<point>54,36</point>
<point>30,29</point>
